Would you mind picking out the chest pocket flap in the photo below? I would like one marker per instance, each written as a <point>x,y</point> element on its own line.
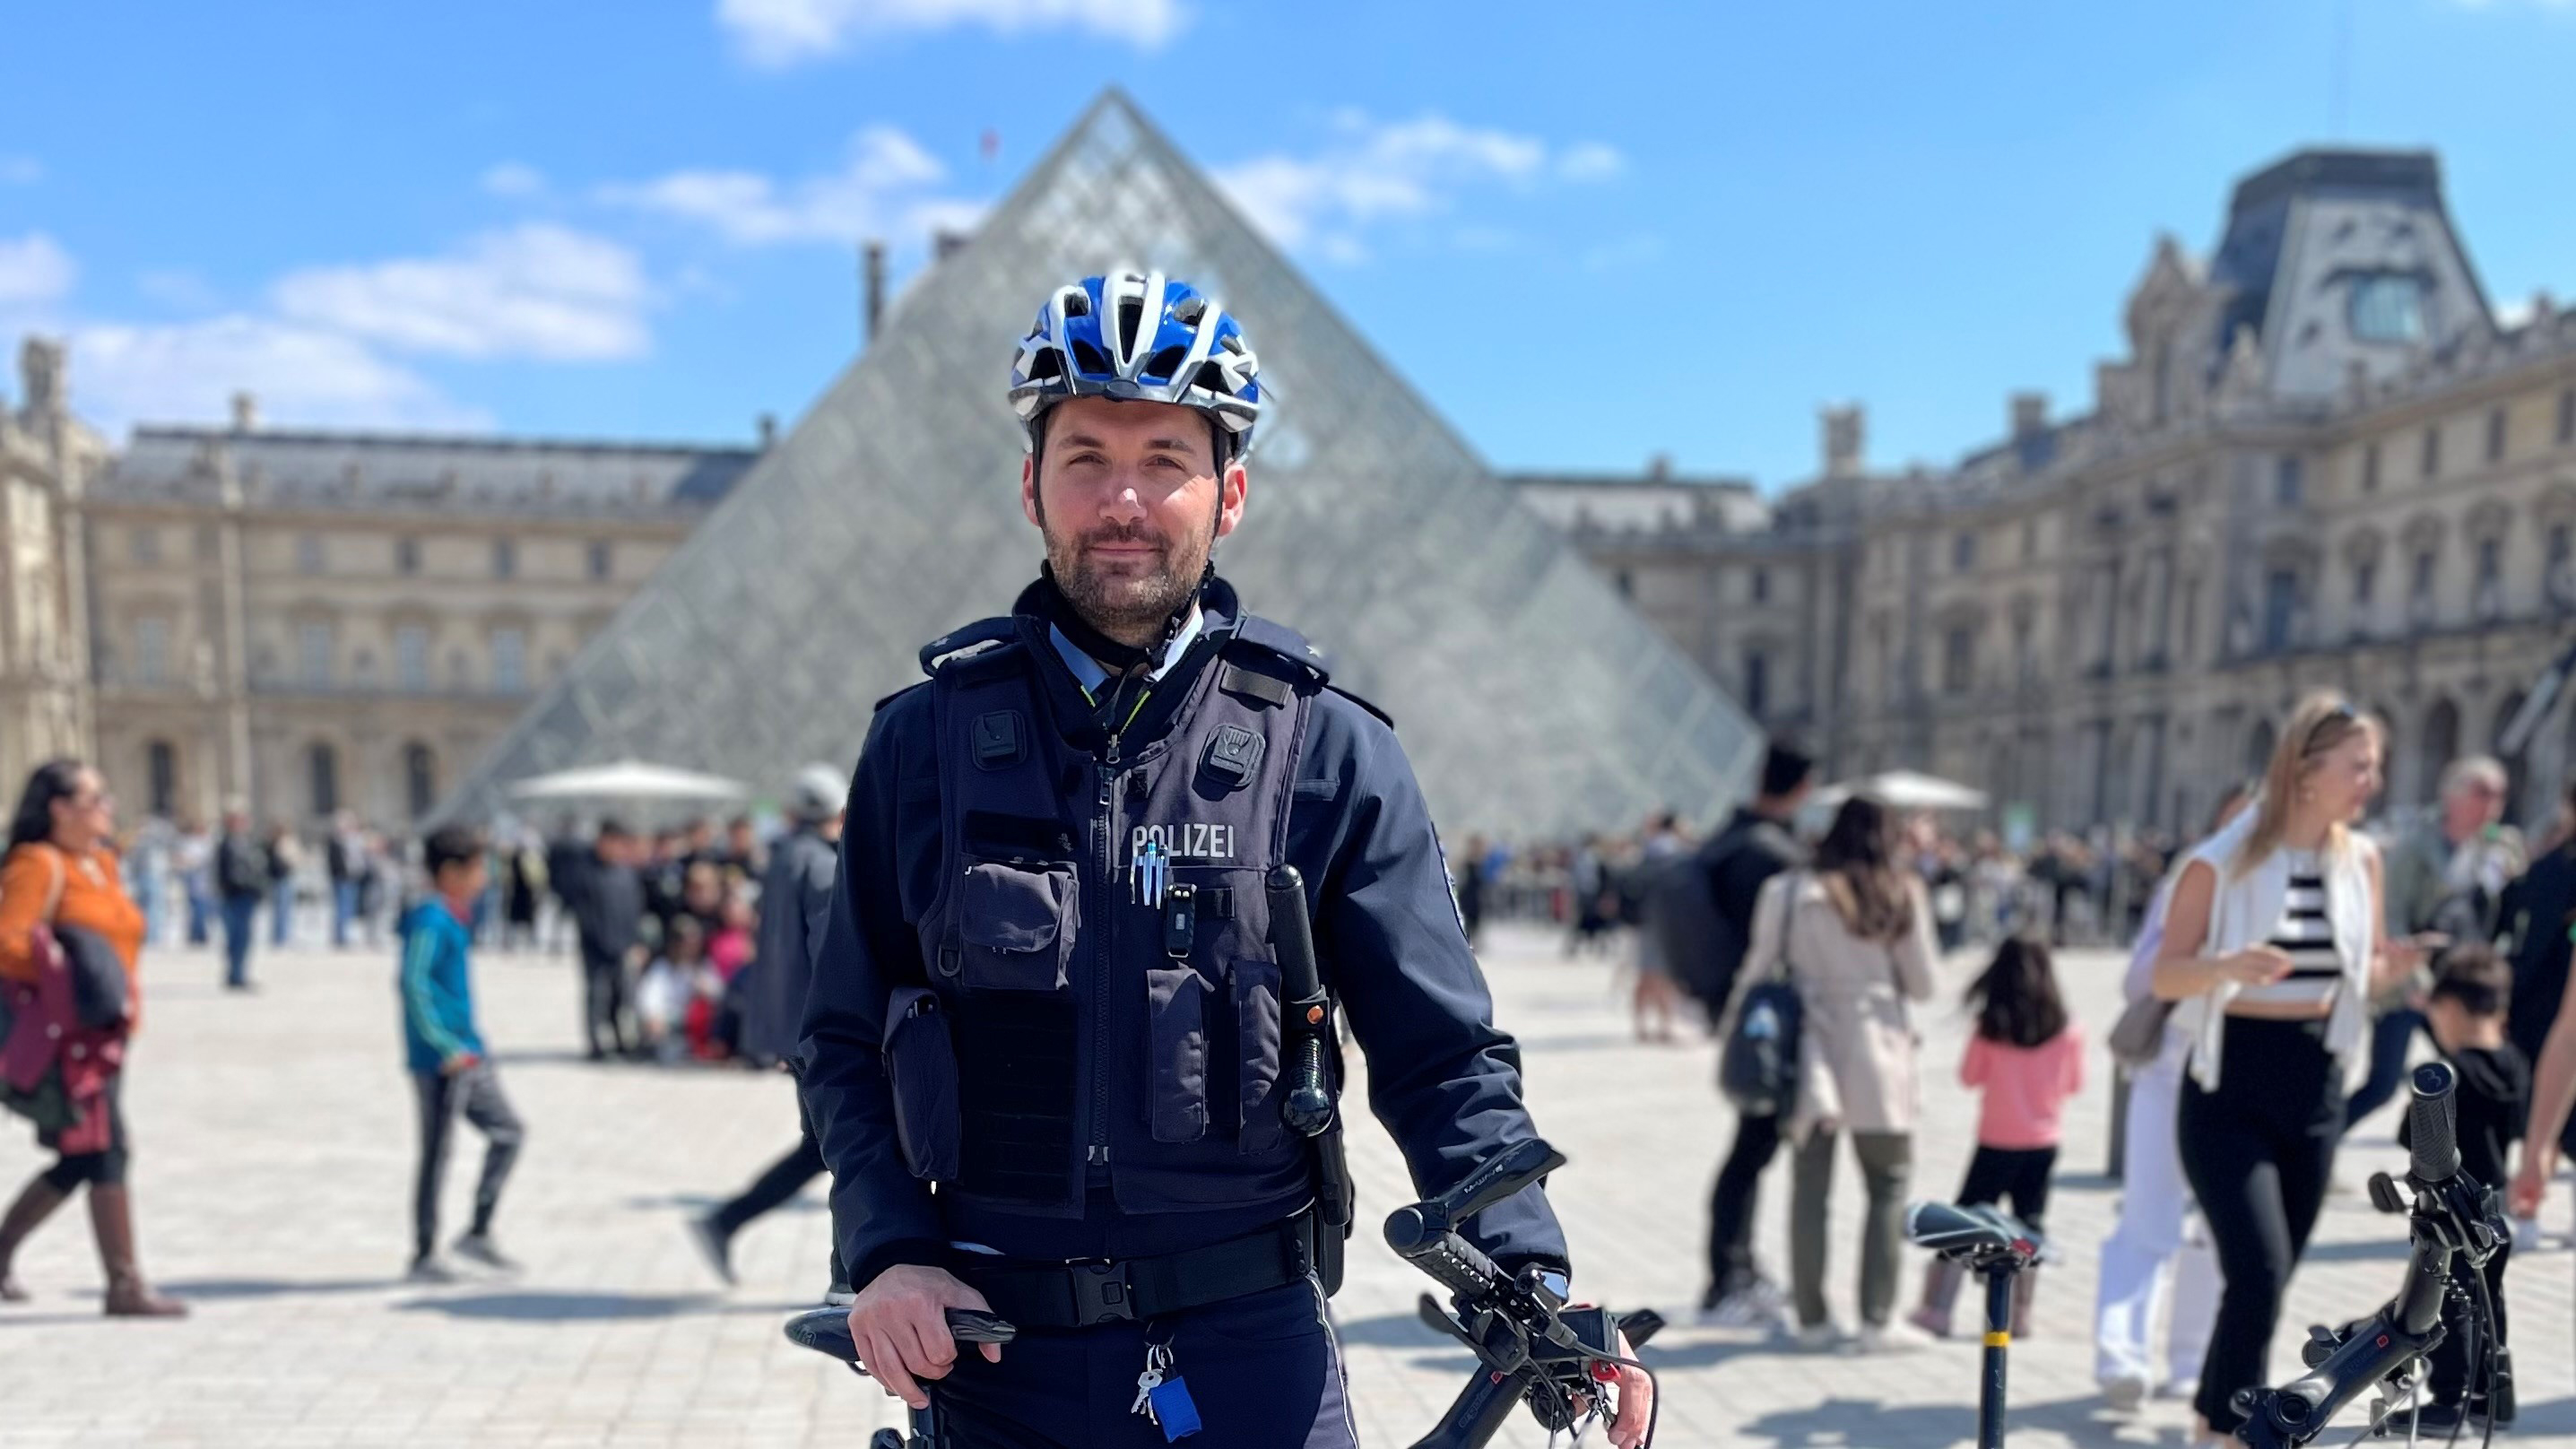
<point>1017,926</point>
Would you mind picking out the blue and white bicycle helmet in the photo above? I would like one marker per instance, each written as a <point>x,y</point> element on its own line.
<point>1142,337</point>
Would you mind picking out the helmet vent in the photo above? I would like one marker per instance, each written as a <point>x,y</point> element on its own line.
<point>1088,359</point>
<point>1076,303</point>
<point>1131,315</point>
<point>1165,363</point>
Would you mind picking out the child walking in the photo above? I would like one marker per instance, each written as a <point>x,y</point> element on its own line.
<point>449,1070</point>
<point>2028,1054</point>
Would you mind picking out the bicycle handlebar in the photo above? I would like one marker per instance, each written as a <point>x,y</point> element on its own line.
<point>827,1331</point>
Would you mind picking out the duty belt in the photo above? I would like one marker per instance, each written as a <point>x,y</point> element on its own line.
<point>1104,1290</point>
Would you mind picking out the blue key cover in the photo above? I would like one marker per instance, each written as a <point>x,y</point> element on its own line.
<point>1173,1409</point>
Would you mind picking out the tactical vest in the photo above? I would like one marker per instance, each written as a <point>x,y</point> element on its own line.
<point>1102,992</point>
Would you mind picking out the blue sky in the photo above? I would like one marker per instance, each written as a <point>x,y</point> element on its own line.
<point>1586,233</point>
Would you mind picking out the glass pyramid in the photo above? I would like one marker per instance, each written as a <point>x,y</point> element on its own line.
<point>1532,701</point>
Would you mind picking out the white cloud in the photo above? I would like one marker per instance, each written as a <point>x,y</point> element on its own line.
<point>1373,173</point>
<point>784,32</point>
<point>180,288</point>
<point>884,189</point>
<point>34,271</point>
<point>1590,161</point>
<point>514,178</point>
<point>2514,314</point>
<point>540,291</point>
<point>123,374</point>
<point>20,170</point>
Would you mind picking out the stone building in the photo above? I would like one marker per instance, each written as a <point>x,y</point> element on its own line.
<point>46,460</point>
<point>324,620</point>
<point>2325,461</point>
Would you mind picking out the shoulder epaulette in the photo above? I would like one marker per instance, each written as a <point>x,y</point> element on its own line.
<point>1289,645</point>
<point>981,637</point>
<point>1383,717</point>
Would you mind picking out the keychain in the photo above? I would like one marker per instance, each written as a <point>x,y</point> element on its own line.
<point>1163,1398</point>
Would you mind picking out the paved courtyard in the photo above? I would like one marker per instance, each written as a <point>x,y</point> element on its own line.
<point>274,1141</point>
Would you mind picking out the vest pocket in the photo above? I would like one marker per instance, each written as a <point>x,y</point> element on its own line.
<point>1016,927</point>
<point>921,1065</point>
<point>1176,1004</point>
<point>1256,1019</point>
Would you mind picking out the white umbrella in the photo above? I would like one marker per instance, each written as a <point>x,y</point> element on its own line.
<point>628,780</point>
<point>1907,790</point>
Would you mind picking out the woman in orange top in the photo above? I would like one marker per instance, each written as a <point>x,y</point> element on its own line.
<point>61,870</point>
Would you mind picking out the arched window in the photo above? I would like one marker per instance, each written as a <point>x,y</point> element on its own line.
<point>420,778</point>
<point>2441,745</point>
<point>2258,749</point>
<point>322,772</point>
<point>161,764</point>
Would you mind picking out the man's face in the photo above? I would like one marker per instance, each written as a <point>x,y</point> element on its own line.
<point>1131,502</point>
<point>2472,806</point>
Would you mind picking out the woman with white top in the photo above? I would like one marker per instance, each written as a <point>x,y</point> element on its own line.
<point>2273,950</point>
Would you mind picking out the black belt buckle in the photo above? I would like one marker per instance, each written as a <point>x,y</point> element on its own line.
<point>1101,1293</point>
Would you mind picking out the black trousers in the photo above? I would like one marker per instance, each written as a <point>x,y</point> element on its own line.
<point>2020,1173</point>
<point>1731,1202</point>
<point>785,1178</point>
<point>1264,1371</point>
<point>606,1005</point>
<point>474,1094</point>
<point>2258,1153</point>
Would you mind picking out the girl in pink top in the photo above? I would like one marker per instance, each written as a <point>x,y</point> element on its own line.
<point>2028,1055</point>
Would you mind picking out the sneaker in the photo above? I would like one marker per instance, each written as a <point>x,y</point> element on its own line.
<point>1876,1338</point>
<point>840,1295</point>
<point>1755,1304</point>
<point>479,1248</point>
<point>1931,1320</point>
<point>430,1271</point>
<point>1818,1338</point>
<point>716,1246</point>
<point>2126,1391</point>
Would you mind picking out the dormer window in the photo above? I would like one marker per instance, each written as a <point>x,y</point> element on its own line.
<point>2388,307</point>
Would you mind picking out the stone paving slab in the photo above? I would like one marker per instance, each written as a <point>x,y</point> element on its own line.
<point>274,1144</point>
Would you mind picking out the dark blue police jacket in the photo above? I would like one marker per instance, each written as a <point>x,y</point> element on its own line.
<point>1444,1080</point>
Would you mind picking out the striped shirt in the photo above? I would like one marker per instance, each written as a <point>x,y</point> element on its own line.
<point>2306,936</point>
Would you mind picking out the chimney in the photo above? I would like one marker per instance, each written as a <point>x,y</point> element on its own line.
<point>945,244</point>
<point>1659,467</point>
<point>873,268</point>
<point>40,377</point>
<point>1846,440</point>
<point>245,412</point>
<point>2029,415</point>
<point>768,431</point>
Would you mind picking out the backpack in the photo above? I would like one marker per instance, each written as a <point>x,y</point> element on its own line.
<point>1757,1068</point>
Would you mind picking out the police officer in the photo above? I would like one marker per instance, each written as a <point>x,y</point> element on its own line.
<point>1042,1048</point>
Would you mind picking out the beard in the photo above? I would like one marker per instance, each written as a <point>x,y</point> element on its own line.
<point>1124,599</point>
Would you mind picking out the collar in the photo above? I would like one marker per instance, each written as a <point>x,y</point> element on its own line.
<point>1088,671</point>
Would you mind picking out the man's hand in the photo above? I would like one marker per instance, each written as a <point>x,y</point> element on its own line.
<point>458,1064</point>
<point>1632,1400</point>
<point>900,1324</point>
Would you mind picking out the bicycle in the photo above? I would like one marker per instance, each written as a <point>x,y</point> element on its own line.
<point>2451,1220</point>
<point>1531,1347</point>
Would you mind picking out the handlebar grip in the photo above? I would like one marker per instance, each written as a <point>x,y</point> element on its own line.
<point>2431,1129</point>
<point>827,1330</point>
<point>1458,1265</point>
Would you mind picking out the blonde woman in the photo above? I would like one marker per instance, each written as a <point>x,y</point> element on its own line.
<point>2274,951</point>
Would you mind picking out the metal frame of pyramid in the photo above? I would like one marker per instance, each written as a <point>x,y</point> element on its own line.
<point>1532,700</point>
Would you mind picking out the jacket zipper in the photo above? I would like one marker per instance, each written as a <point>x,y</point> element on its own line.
<point>1108,778</point>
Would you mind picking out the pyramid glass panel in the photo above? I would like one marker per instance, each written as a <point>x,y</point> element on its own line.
<point>1532,700</point>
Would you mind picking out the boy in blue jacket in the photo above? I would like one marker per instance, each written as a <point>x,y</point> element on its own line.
<point>448,1068</point>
